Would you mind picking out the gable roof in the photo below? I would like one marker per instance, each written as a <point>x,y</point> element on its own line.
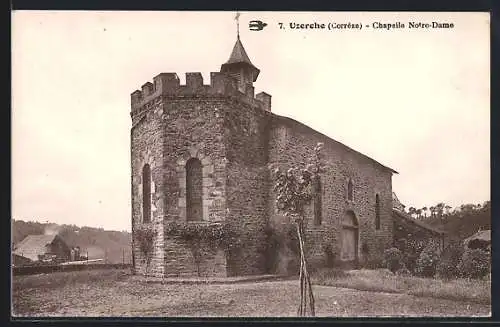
<point>296,125</point>
<point>403,216</point>
<point>34,245</point>
<point>482,235</point>
<point>19,260</point>
<point>396,204</point>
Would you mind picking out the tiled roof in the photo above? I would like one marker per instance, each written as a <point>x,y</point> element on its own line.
<point>401,215</point>
<point>483,235</point>
<point>239,57</point>
<point>33,245</point>
<point>239,54</point>
<point>396,204</point>
<point>296,125</point>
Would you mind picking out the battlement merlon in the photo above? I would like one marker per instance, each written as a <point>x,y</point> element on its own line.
<point>168,84</point>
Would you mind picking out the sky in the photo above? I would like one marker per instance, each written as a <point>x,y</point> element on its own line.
<point>416,100</point>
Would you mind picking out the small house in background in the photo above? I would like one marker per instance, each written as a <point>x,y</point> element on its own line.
<point>480,240</point>
<point>396,204</point>
<point>408,228</point>
<point>43,248</point>
<point>18,260</point>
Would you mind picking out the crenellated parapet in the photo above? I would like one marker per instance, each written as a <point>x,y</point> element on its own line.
<point>221,84</point>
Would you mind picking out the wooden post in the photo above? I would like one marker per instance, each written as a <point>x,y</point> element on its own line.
<point>305,281</point>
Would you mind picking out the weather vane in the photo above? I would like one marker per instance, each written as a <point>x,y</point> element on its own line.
<point>237,18</point>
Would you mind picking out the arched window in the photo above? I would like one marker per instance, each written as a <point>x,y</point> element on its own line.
<point>349,190</point>
<point>194,190</point>
<point>377,211</point>
<point>317,201</point>
<point>146,194</point>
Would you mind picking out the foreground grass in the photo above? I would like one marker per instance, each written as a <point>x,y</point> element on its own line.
<point>114,293</point>
<point>382,280</point>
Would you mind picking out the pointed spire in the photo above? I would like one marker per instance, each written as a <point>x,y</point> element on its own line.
<point>240,58</point>
<point>239,54</point>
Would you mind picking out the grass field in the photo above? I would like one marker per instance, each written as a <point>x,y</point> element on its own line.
<point>382,280</point>
<point>114,293</point>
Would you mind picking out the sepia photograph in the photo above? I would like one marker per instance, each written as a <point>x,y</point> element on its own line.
<point>250,164</point>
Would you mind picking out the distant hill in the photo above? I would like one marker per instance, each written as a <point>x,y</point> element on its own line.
<point>114,246</point>
<point>463,221</point>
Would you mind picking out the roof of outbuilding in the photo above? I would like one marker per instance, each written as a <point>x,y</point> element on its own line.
<point>34,244</point>
<point>401,215</point>
<point>482,235</point>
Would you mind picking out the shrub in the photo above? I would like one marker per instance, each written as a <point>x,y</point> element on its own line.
<point>427,261</point>
<point>329,255</point>
<point>324,275</point>
<point>403,271</point>
<point>145,237</point>
<point>475,263</point>
<point>401,244</point>
<point>447,266</point>
<point>393,259</point>
<point>413,249</point>
<point>375,263</point>
<point>277,239</point>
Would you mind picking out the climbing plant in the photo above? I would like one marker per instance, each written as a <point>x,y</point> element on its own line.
<point>202,236</point>
<point>217,235</point>
<point>144,235</point>
<point>293,192</point>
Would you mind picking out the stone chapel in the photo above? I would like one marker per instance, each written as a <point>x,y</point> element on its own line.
<point>200,155</point>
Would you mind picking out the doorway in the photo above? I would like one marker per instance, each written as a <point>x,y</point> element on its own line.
<point>349,237</point>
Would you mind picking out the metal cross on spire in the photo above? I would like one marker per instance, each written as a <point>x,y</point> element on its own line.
<point>237,18</point>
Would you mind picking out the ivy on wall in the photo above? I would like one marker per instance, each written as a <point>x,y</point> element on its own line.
<point>215,235</point>
<point>145,235</point>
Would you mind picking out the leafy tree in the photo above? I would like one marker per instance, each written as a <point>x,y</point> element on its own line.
<point>293,192</point>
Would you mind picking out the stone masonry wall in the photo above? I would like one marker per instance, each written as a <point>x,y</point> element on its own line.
<point>292,143</point>
<point>194,129</point>
<point>236,137</point>
<point>172,123</point>
<point>147,136</point>
<point>247,139</point>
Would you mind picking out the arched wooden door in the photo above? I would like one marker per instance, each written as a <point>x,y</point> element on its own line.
<point>349,237</point>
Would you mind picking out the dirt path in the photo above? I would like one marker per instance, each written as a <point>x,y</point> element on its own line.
<point>123,297</point>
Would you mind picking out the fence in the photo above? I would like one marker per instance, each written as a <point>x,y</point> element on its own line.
<point>46,269</point>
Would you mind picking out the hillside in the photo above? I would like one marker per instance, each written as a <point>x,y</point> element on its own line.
<point>462,222</point>
<point>114,246</point>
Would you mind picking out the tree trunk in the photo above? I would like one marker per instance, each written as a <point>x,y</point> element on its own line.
<point>305,281</point>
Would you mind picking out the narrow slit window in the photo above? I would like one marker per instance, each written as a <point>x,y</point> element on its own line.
<point>349,190</point>
<point>146,194</point>
<point>194,190</point>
